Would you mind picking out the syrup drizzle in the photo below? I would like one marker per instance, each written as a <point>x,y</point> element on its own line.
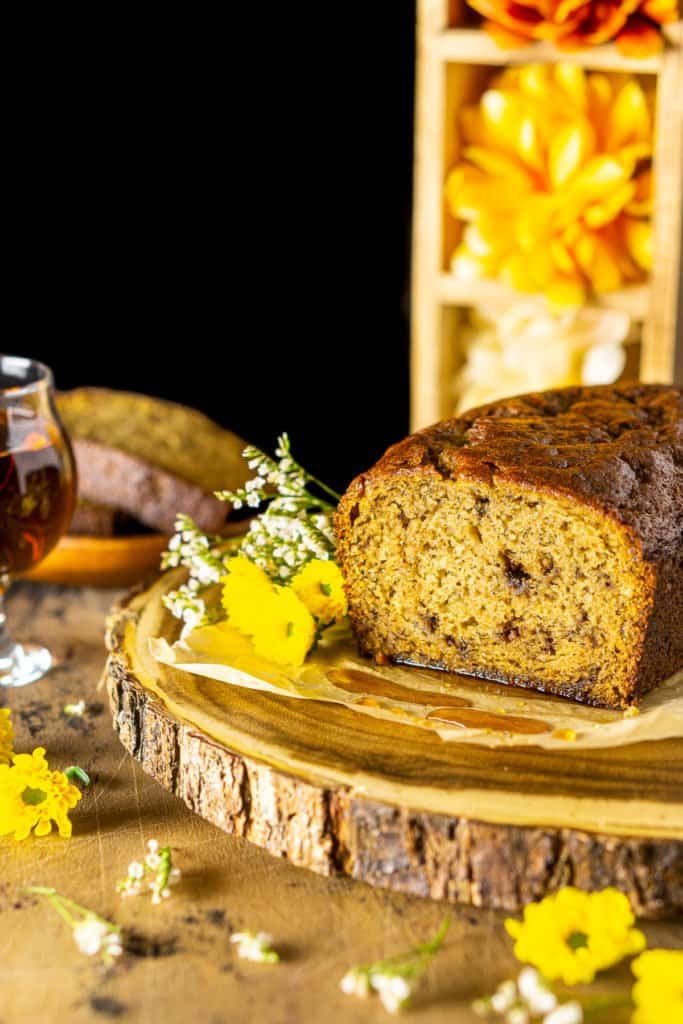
<point>446,708</point>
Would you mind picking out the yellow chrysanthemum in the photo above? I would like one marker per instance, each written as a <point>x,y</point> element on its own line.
<point>286,630</point>
<point>246,593</point>
<point>279,624</point>
<point>573,934</point>
<point>320,585</point>
<point>32,797</point>
<point>554,186</point>
<point>6,735</point>
<point>658,992</point>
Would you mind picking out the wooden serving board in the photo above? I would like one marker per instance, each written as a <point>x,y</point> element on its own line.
<point>342,793</point>
<point>80,561</point>
<point>101,561</point>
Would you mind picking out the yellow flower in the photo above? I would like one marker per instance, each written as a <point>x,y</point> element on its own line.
<point>286,630</point>
<point>246,592</point>
<point>573,934</point>
<point>320,585</point>
<point>279,624</point>
<point>32,797</point>
<point>658,992</point>
<point>6,735</point>
<point>554,186</point>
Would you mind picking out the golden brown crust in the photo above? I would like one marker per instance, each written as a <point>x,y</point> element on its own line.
<point>618,448</point>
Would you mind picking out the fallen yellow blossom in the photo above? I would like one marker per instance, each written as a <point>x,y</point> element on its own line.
<point>572,934</point>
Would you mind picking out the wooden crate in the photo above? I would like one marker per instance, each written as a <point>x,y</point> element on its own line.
<point>454,61</point>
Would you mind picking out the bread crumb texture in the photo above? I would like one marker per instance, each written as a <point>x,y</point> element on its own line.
<point>535,541</point>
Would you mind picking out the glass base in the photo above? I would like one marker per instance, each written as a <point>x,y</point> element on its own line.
<point>24,663</point>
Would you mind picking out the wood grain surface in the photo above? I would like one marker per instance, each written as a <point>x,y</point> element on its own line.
<point>393,806</point>
<point>180,960</point>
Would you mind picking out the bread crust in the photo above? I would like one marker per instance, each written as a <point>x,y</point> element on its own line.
<point>616,449</point>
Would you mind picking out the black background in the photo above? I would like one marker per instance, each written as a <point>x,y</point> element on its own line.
<point>219,213</point>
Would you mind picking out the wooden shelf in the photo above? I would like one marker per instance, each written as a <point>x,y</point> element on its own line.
<point>454,292</point>
<point>474,46</point>
<point>454,66</point>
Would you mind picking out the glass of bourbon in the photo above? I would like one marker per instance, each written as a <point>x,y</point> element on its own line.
<point>37,495</point>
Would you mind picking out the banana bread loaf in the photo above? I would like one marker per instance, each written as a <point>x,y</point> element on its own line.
<point>536,541</point>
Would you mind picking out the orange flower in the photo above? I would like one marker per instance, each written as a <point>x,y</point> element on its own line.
<point>572,24</point>
<point>554,187</point>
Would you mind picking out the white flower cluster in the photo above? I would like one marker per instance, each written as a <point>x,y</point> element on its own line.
<point>255,946</point>
<point>281,543</point>
<point>528,999</point>
<point>156,874</point>
<point>93,935</point>
<point>295,527</point>
<point>394,979</point>
<point>204,556</point>
<point>96,937</point>
<point>393,990</point>
<point>297,524</point>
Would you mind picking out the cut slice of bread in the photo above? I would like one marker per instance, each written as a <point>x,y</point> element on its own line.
<point>91,520</point>
<point>151,458</point>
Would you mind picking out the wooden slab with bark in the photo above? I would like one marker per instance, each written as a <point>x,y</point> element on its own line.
<point>388,804</point>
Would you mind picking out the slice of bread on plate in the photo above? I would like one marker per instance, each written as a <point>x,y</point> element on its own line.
<point>151,458</point>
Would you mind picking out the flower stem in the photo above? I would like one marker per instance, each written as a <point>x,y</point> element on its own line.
<point>596,1007</point>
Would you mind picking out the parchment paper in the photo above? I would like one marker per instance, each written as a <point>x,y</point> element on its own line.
<point>335,672</point>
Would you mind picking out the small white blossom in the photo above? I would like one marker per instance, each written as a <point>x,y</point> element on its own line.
<point>517,1015</point>
<point>504,997</point>
<point>92,934</point>
<point>255,946</point>
<point>156,874</point>
<point>356,983</point>
<point>393,990</point>
<point>535,993</point>
<point>568,1013</point>
<point>77,709</point>
<point>529,998</point>
<point>94,937</point>
<point>394,979</point>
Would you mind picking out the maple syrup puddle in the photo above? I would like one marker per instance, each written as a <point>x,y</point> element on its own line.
<point>449,709</point>
<point>471,718</point>
<point>355,681</point>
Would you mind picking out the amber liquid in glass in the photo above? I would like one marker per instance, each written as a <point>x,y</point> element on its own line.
<point>37,489</point>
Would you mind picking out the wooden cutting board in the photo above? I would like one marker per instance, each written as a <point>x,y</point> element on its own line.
<point>392,805</point>
<point>80,561</point>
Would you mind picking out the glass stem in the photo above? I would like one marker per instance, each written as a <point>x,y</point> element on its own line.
<point>6,642</point>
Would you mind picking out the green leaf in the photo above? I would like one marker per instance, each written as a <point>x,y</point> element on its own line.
<point>74,772</point>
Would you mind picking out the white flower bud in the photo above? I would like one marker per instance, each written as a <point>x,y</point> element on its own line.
<point>568,1013</point>
<point>505,996</point>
